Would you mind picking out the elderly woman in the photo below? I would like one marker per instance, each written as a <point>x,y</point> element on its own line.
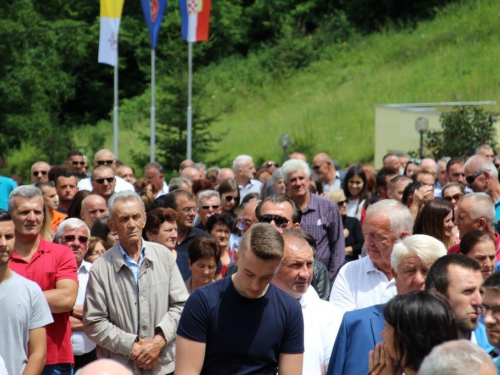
<point>203,257</point>
<point>97,247</point>
<point>219,227</point>
<point>161,227</point>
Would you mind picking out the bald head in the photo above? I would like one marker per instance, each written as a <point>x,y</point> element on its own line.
<point>431,163</point>
<point>93,207</point>
<point>104,367</point>
<point>40,172</point>
<point>184,164</point>
<point>297,156</point>
<point>104,157</point>
<point>191,174</point>
<point>224,174</point>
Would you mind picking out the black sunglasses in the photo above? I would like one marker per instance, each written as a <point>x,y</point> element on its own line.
<point>341,203</point>
<point>71,238</point>
<point>78,162</point>
<point>280,221</point>
<point>101,180</point>
<point>472,178</point>
<point>207,207</point>
<point>270,164</point>
<point>43,173</point>
<point>102,162</point>
<point>230,198</point>
<point>456,197</point>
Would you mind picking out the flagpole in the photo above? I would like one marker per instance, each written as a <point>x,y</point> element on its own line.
<point>115,110</point>
<point>190,97</point>
<point>153,110</point>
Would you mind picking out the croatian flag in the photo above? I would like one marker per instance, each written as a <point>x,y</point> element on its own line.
<point>111,13</point>
<point>195,19</point>
<point>153,13</point>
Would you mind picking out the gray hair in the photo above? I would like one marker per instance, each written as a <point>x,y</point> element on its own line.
<point>457,357</point>
<point>294,165</point>
<point>277,174</point>
<point>240,162</point>
<point>123,196</point>
<point>482,163</point>
<point>71,223</point>
<point>445,159</point>
<point>399,215</point>
<point>482,147</point>
<point>154,165</point>
<point>200,165</point>
<point>25,191</point>
<point>482,206</point>
<point>207,194</point>
<point>427,248</point>
<point>177,182</point>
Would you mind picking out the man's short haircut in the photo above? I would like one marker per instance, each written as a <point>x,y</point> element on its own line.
<point>395,180</point>
<point>293,166</point>
<point>102,168</point>
<point>123,196</point>
<point>444,160</point>
<point>240,162</point>
<point>200,165</point>
<point>264,241</point>
<point>4,216</point>
<point>63,173</point>
<point>410,190</point>
<point>438,275</point>
<point>453,161</point>
<point>44,184</point>
<point>207,194</point>
<point>492,282</point>
<point>124,166</point>
<point>422,170</point>
<point>427,248</point>
<point>176,183</point>
<point>305,235</point>
<point>154,165</point>
<point>277,199</point>
<point>399,215</point>
<point>482,163</point>
<point>458,357</point>
<point>73,153</point>
<point>71,223</point>
<point>458,185</point>
<point>382,175</point>
<point>24,191</point>
<point>389,155</point>
<point>482,207</point>
<point>478,149</point>
<point>171,198</point>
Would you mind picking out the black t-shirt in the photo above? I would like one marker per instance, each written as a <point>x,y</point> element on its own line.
<point>242,335</point>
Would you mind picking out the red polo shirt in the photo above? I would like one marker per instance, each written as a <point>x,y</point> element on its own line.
<point>51,263</point>
<point>455,249</point>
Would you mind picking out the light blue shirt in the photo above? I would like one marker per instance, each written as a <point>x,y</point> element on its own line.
<point>132,264</point>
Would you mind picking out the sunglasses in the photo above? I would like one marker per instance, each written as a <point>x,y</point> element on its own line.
<point>341,203</point>
<point>36,173</point>
<point>230,198</point>
<point>208,207</point>
<point>472,178</point>
<point>78,162</point>
<point>101,180</point>
<point>103,162</point>
<point>280,221</point>
<point>456,197</point>
<point>72,238</point>
<point>317,167</point>
<point>270,164</point>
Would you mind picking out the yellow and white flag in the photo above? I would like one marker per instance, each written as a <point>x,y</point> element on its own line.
<point>111,13</point>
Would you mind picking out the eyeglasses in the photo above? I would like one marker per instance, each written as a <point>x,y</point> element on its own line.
<point>72,238</point>
<point>208,207</point>
<point>472,178</point>
<point>78,162</point>
<point>230,198</point>
<point>495,310</point>
<point>103,162</point>
<point>341,203</point>
<point>188,209</point>
<point>317,167</point>
<point>101,180</point>
<point>43,173</point>
<point>455,197</point>
<point>270,164</point>
<point>280,221</point>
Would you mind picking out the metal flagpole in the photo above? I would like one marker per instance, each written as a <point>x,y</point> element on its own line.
<point>152,141</point>
<point>190,95</point>
<point>115,111</point>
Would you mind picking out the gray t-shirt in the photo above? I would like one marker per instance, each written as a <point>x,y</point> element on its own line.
<point>23,307</point>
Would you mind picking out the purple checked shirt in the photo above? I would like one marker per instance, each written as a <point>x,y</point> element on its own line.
<point>322,220</point>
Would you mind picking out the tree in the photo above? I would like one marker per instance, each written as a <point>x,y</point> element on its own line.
<point>463,129</point>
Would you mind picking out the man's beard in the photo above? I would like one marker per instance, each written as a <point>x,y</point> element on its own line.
<point>465,327</point>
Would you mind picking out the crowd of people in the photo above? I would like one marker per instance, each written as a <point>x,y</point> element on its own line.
<point>298,269</point>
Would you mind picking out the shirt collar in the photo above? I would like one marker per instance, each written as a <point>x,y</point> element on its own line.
<point>85,266</point>
<point>126,257</point>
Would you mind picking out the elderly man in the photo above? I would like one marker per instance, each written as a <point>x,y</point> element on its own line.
<point>52,267</point>
<point>40,172</point>
<point>75,234</point>
<point>126,172</point>
<point>441,176</point>
<point>486,151</point>
<point>65,183</point>
<point>208,204</point>
<point>74,161</point>
<point>224,174</point>
<point>321,319</point>
<point>154,172</point>
<point>106,158</point>
<point>323,166</point>
<point>191,173</point>
<point>103,182</point>
<point>135,294</point>
<point>397,187</point>
<point>259,329</point>
<point>391,161</point>
<point>185,164</point>
<point>359,332</point>
<point>244,171</point>
<point>93,207</point>
<point>320,217</point>
<point>24,310</point>
<point>370,281</point>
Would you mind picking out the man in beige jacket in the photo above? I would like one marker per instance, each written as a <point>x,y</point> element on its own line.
<point>135,295</point>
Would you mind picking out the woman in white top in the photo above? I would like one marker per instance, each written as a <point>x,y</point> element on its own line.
<point>355,190</point>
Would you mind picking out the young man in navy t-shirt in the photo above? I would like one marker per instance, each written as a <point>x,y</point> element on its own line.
<point>242,324</point>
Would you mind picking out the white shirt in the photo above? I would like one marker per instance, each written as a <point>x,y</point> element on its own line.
<point>336,184</point>
<point>321,325</point>
<point>80,342</point>
<point>360,284</point>
<point>353,206</point>
<point>163,191</point>
<point>254,186</point>
<point>121,185</point>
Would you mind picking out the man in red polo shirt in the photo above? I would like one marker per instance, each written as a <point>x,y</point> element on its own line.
<point>52,267</point>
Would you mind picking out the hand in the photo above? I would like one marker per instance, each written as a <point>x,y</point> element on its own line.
<point>379,361</point>
<point>423,194</point>
<point>148,357</point>
<point>346,233</point>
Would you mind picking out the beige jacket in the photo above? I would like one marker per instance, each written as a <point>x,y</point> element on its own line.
<point>113,305</point>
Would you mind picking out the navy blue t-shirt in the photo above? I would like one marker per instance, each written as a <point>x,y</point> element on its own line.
<point>242,335</point>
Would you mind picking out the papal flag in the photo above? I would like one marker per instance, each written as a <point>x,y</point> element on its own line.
<point>195,16</point>
<point>111,13</point>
